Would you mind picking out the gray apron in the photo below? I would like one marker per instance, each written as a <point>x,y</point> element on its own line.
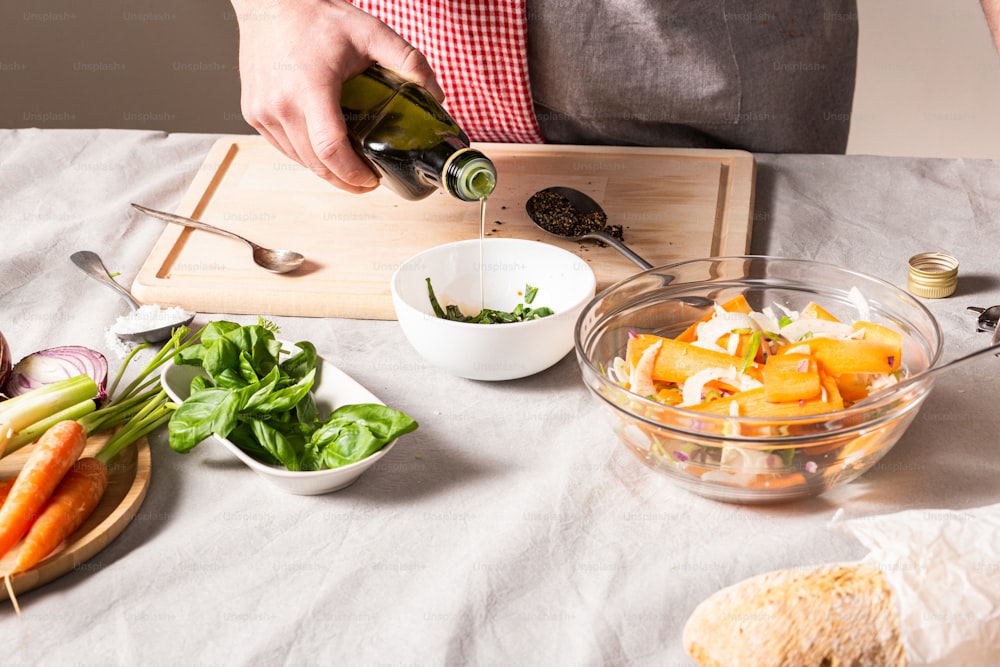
<point>772,76</point>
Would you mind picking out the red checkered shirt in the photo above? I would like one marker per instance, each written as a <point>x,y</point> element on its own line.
<point>478,49</point>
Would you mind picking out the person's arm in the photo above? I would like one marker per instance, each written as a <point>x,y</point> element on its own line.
<point>294,57</point>
<point>992,10</point>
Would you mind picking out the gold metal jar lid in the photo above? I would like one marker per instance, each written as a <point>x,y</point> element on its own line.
<point>933,275</point>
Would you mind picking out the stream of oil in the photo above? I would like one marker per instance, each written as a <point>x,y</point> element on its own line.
<point>482,237</point>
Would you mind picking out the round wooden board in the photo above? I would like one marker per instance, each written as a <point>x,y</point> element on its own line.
<point>128,480</point>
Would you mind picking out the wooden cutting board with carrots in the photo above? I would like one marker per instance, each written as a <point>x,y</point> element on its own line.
<point>673,204</point>
<point>128,481</point>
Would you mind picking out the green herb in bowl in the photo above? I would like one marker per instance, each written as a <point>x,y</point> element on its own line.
<point>522,312</point>
<point>261,399</point>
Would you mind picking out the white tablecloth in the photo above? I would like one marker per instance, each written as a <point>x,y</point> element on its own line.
<point>510,528</point>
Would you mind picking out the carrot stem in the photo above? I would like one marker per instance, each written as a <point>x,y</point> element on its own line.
<point>155,414</point>
<point>124,406</point>
<point>121,369</point>
<point>118,412</point>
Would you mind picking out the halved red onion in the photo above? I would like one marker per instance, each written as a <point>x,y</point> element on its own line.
<point>54,364</point>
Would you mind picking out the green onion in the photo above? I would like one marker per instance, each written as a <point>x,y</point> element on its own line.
<point>19,415</point>
<point>142,406</point>
<point>751,352</point>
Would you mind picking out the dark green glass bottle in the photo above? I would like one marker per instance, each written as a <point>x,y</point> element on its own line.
<point>410,140</point>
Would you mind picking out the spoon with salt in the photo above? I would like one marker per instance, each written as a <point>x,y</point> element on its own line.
<point>155,326</point>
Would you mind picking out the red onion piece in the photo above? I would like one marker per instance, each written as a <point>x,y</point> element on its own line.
<point>54,364</point>
<point>5,362</point>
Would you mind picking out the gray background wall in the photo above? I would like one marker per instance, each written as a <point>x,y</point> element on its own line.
<point>168,65</point>
<point>928,80</point>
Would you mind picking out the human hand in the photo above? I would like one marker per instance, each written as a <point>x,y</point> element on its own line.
<point>294,58</point>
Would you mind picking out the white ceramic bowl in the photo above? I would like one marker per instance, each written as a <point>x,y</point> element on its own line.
<point>491,351</point>
<point>333,388</point>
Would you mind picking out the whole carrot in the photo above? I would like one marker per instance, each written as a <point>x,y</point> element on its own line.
<point>76,497</point>
<point>5,488</point>
<point>56,451</point>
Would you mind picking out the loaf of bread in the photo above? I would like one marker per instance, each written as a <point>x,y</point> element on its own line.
<point>828,616</point>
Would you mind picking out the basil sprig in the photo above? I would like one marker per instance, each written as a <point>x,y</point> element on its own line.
<point>265,405</point>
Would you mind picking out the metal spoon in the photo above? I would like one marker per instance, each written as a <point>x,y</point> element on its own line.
<point>92,265</point>
<point>994,348</point>
<point>276,261</point>
<point>583,205</point>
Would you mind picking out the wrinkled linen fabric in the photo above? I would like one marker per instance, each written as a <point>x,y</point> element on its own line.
<point>510,528</point>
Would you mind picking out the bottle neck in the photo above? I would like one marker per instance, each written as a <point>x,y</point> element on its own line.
<point>469,175</point>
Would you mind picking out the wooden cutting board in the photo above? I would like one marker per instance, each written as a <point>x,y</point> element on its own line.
<point>674,204</point>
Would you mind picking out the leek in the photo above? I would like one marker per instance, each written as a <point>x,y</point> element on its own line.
<point>19,415</point>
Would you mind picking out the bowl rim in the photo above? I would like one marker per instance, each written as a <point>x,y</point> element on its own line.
<point>854,415</point>
<point>586,294</point>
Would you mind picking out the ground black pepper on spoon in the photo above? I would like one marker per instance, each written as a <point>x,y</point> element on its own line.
<point>571,214</point>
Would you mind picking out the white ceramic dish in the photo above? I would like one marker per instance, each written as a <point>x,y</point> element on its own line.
<point>333,389</point>
<point>492,351</point>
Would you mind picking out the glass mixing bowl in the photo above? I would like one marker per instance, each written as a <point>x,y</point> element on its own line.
<point>752,459</point>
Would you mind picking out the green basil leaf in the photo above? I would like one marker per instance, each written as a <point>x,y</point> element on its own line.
<point>198,383</point>
<point>194,355</point>
<point>266,406</point>
<point>215,330</point>
<point>543,311</point>
<point>433,299</point>
<point>243,437</point>
<point>260,391</point>
<point>354,432</point>
<point>276,443</point>
<point>283,400</point>
<point>303,361</point>
<point>340,442</point>
<point>191,356</point>
<point>307,412</point>
<point>259,346</point>
<point>202,414</point>
<point>222,356</point>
